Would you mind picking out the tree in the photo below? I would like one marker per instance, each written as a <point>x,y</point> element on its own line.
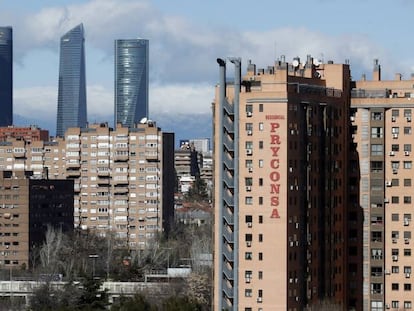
<point>177,303</point>
<point>198,191</point>
<point>136,303</point>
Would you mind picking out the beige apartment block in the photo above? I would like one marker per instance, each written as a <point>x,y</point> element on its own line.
<point>381,115</point>
<point>287,218</point>
<point>118,176</point>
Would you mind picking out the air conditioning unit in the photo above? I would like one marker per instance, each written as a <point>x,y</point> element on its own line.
<point>259,299</point>
<point>250,169</point>
<point>249,113</point>
<point>407,153</point>
<point>394,241</point>
<point>248,280</point>
<point>249,224</point>
<point>406,221</point>
<point>249,151</point>
<point>394,257</point>
<point>395,136</point>
<point>408,119</point>
<point>407,275</point>
<point>388,183</point>
<point>291,280</point>
<point>248,243</point>
<point>387,306</point>
<point>386,200</point>
<point>395,171</point>
<point>352,118</point>
<point>407,241</point>
<point>249,188</point>
<point>387,272</point>
<point>249,132</point>
<point>393,119</point>
<point>392,153</point>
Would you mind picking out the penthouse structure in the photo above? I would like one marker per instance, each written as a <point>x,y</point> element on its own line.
<point>123,178</point>
<point>381,115</point>
<point>287,214</point>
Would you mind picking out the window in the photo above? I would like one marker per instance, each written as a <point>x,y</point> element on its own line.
<point>260,200</point>
<point>395,112</point>
<point>407,200</point>
<point>394,304</point>
<point>249,108</point>
<point>248,256</point>
<point>249,200</point>
<point>249,145</point>
<point>407,147</point>
<point>395,182</point>
<point>249,126</point>
<point>248,237</point>
<point>261,144</point>
<point>376,253</point>
<point>407,304</point>
<point>260,181</point>
<point>407,287</point>
<point>376,288</point>
<point>377,116</point>
<point>376,236</point>
<point>407,113</point>
<point>407,269</point>
<point>407,130</point>
<point>249,219</point>
<point>248,181</point>
<point>395,130</point>
<point>407,182</point>
<point>395,147</point>
<point>394,234</point>
<point>260,163</point>
<point>260,256</point>
<point>395,269</point>
<point>249,163</point>
<point>376,149</point>
<point>407,252</point>
<point>260,237</point>
<point>395,217</point>
<point>376,166</point>
<point>376,305</point>
<point>248,292</point>
<point>395,286</point>
<point>260,107</point>
<point>376,132</point>
<point>261,126</point>
<point>260,275</point>
<point>395,200</point>
<point>260,219</point>
<point>395,165</point>
<point>408,164</point>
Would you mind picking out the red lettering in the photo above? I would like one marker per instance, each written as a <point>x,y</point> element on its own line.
<point>275,213</point>
<point>274,176</point>
<point>275,150</point>
<point>274,163</point>
<point>274,188</point>
<point>274,126</point>
<point>274,139</point>
<point>274,201</point>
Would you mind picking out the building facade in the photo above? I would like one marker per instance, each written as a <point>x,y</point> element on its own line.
<point>382,128</point>
<point>71,110</point>
<point>6,74</point>
<point>31,133</point>
<point>131,81</point>
<point>123,178</point>
<point>28,207</point>
<point>287,217</point>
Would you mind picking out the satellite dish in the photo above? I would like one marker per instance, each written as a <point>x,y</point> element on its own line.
<point>295,63</point>
<point>143,120</point>
<point>316,62</point>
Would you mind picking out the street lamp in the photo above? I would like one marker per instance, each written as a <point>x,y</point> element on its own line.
<point>93,257</point>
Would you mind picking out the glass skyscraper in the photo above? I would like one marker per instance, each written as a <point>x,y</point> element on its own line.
<point>71,111</point>
<point>6,76</point>
<point>131,81</point>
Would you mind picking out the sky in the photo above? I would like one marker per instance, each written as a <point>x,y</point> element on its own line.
<point>186,37</point>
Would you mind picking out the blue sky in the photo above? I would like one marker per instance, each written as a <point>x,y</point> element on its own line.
<point>186,36</point>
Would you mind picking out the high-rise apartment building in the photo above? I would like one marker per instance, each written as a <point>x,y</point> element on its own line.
<point>123,178</point>
<point>381,115</point>
<point>27,207</point>
<point>71,110</point>
<point>288,222</point>
<point>131,81</point>
<point>31,133</point>
<point>6,76</point>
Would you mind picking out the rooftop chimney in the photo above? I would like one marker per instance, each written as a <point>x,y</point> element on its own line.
<point>376,75</point>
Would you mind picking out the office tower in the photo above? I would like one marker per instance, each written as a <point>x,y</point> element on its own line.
<point>6,76</point>
<point>382,127</point>
<point>131,81</point>
<point>122,177</point>
<point>287,218</point>
<point>29,206</point>
<point>71,111</point>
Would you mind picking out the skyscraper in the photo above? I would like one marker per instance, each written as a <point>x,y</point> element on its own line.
<point>6,76</point>
<point>71,110</point>
<point>131,81</point>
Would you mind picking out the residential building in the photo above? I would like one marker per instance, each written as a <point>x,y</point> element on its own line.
<point>31,133</point>
<point>288,220</point>
<point>28,207</point>
<point>71,110</point>
<point>131,81</point>
<point>123,178</point>
<point>6,74</point>
<point>381,114</point>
